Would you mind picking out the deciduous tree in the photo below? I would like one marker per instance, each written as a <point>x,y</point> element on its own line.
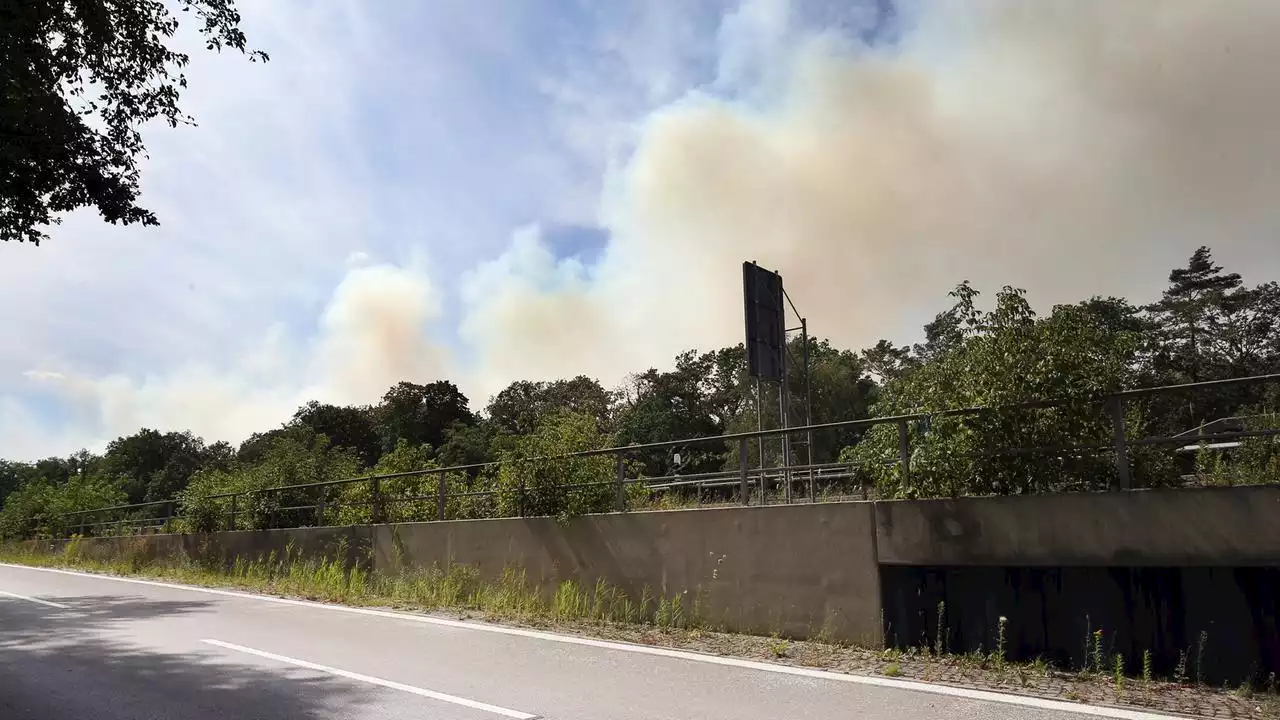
<point>78,81</point>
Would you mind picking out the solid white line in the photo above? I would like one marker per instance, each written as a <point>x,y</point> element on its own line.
<point>34,600</point>
<point>473,704</point>
<point>985,695</point>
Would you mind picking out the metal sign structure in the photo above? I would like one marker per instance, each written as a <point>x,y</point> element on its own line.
<point>766,317</point>
<point>765,304</point>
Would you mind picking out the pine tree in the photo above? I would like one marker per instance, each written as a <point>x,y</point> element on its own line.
<point>1188,314</point>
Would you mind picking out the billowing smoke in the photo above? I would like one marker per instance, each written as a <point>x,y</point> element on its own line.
<point>1067,147</point>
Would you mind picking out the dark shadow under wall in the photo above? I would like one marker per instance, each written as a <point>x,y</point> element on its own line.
<point>1053,612</point>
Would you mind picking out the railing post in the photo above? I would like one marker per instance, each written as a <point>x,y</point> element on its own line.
<point>520,498</point>
<point>231,522</point>
<point>743,487</point>
<point>620,500</point>
<point>376,510</point>
<point>1116,407</point>
<point>904,455</point>
<point>441,489</point>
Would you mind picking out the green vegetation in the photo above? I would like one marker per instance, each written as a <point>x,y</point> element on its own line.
<point>335,579</point>
<point>1000,653</point>
<point>780,648</point>
<point>1206,325</point>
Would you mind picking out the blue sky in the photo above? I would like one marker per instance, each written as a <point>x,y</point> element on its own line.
<point>496,191</point>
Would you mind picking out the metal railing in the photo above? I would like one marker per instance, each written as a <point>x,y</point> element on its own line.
<point>743,485</point>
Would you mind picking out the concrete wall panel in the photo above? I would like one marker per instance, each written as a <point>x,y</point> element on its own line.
<point>794,570</point>
<point>1201,527</point>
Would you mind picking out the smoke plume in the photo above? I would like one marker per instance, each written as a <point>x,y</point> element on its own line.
<point>1063,146</point>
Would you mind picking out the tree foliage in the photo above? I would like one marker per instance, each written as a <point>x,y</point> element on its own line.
<point>284,462</point>
<point>420,414</point>
<point>150,465</point>
<point>1003,357</point>
<point>532,481</point>
<point>354,428</point>
<point>79,80</point>
<point>40,507</point>
<point>523,405</point>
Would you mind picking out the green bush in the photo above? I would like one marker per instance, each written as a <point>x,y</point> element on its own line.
<point>286,461</point>
<point>998,359</point>
<point>38,508</point>
<point>410,498</point>
<point>532,482</point>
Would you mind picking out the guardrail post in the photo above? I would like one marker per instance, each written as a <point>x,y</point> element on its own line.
<point>1116,407</point>
<point>620,501</point>
<point>441,489</point>
<point>904,455</point>
<point>743,488</point>
<point>376,510</point>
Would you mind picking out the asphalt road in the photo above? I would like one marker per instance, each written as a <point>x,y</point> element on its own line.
<point>76,646</point>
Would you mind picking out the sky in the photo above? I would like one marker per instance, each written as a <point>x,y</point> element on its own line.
<point>489,192</point>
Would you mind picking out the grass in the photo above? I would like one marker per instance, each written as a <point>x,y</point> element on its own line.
<point>940,641</point>
<point>1001,627</point>
<point>334,579</point>
<point>1204,639</point>
<point>780,648</point>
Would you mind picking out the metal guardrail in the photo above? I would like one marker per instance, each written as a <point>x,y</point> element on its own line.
<point>745,482</point>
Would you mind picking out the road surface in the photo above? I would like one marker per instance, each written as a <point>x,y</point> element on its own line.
<point>78,646</point>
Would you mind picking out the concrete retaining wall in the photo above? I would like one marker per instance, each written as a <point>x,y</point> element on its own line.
<point>795,570</point>
<point>1202,527</point>
<point>801,569</point>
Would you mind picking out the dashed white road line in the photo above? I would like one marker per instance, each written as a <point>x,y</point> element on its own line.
<point>444,697</point>
<point>1102,711</point>
<point>16,596</point>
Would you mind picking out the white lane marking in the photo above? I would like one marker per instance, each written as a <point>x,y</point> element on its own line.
<point>454,699</point>
<point>16,596</point>
<point>967,693</point>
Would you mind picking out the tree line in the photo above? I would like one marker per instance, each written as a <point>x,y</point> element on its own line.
<point>1208,324</point>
